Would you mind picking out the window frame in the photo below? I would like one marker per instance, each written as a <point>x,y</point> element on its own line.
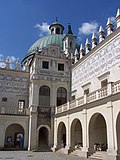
<point>44,65</point>
<point>21,106</point>
<point>61,67</point>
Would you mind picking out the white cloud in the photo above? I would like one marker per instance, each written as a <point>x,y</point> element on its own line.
<point>44,28</point>
<point>88,28</point>
<point>2,64</point>
<point>11,59</point>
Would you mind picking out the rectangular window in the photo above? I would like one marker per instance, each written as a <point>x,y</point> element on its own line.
<point>86,91</point>
<point>60,67</point>
<point>104,83</point>
<point>45,64</point>
<point>73,97</point>
<point>21,105</point>
<point>4,99</point>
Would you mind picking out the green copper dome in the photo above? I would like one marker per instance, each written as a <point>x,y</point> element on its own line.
<point>54,39</point>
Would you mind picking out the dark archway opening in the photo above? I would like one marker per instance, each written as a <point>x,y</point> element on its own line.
<point>14,137</point>
<point>97,133</point>
<point>118,133</point>
<point>43,138</point>
<point>76,134</point>
<point>61,135</point>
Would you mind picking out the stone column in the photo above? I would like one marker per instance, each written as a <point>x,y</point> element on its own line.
<point>52,104</point>
<point>67,147</point>
<point>85,134</point>
<point>32,143</point>
<point>35,94</point>
<point>26,136</point>
<point>54,148</point>
<point>2,134</point>
<point>111,151</point>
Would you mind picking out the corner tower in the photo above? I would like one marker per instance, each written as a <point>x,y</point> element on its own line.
<point>49,85</point>
<point>69,42</point>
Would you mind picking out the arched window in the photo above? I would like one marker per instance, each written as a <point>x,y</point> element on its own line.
<point>52,31</point>
<point>44,96</point>
<point>61,96</point>
<point>57,31</point>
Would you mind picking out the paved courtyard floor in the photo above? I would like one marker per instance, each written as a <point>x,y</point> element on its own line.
<point>25,155</point>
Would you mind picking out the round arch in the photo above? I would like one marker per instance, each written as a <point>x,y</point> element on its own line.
<point>76,133</point>
<point>14,136</point>
<point>43,136</point>
<point>97,132</point>
<point>118,132</point>
<point>61,135</point>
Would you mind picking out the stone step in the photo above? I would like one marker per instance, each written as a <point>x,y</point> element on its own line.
<point>75,153</point>
<point>98,155</point>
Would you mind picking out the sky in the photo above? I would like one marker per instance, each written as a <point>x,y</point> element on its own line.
<point>22,22</point>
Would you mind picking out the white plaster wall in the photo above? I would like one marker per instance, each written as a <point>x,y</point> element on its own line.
<point>104,59</point>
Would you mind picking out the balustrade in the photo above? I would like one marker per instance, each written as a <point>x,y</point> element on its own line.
<point>91,97</point>
<point>12,111</point>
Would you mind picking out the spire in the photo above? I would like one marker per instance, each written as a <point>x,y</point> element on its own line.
<point>118,13</point>
<point>76,55</point>
<point>101,34</point>
<point>109,27</point>
<point>87,45</point>
<point>94,40</point>
<point>118,18</point>
<point>69,29</point>
<point>82,53</point>
<point>56,20</point>
<point>101,29</point>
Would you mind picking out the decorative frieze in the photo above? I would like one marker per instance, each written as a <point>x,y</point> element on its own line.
<point>9,83</point>
<point>97,64</point>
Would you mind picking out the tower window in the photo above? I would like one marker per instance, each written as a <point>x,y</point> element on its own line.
<point>61,96</point>
<point>45,65</point>
<point>60,67</point>
<point>70,44</point>
<point>52,30</point>
<point>57,31</point>
<point>44,96</point>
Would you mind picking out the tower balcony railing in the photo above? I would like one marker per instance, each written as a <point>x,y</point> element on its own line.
<point>110,89</point>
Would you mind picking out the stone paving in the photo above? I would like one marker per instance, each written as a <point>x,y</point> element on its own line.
<point>25,155</point>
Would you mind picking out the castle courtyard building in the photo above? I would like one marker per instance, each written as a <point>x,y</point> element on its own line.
<point>66,97</point>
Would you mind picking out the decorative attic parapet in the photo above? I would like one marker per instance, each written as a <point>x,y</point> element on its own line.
<point>8,64</point>
<point>101,36</point>
<point>109,27</point>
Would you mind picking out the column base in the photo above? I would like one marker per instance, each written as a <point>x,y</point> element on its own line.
<point>82,153</point>
<point>54,148</point>
<point>66,150</point>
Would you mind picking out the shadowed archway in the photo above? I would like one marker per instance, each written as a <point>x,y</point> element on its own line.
<point>14,136</point>
<point>76,133</point>
<point>97,133</point>
<point>61,134</point>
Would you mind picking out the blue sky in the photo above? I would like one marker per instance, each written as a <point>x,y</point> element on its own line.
<point>22,22</point>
